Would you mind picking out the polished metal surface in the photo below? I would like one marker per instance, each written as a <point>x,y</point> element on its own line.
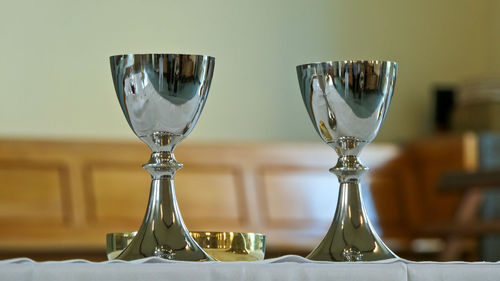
<point>162,96</point>
<point>347,102</point>
<point>222,246</point>
<point>232,246</point>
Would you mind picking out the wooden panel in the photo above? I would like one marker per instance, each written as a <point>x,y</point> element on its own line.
<point>116,193</point>
<point>283,190</point>
<point>211,198</point>
<point>295,197</point>
<point>33,194</point>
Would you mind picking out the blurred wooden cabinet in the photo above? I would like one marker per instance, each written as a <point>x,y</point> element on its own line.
<point>427,217</point>
<point>59,199</point>
<point>411,181</point>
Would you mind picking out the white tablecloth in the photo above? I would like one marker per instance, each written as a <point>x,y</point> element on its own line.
<point>283,268</point>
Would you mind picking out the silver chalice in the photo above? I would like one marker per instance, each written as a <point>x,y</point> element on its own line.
<point>162,96</point>
<point>347,102</point>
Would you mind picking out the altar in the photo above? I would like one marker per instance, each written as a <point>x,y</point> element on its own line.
<point>283,268</point>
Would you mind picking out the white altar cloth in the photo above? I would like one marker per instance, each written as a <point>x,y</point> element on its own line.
<point>282,268</point>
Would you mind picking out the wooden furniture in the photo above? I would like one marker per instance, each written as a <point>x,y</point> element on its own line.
<point>58,199</point>
<point>443,189</point>
<point>478,215</point>
<point>418,170</point>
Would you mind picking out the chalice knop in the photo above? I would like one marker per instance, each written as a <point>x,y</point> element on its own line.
<point>162,96</point>
<point>347,102</point>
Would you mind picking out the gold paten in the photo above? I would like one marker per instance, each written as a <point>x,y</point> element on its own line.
<point>117,242</point>
<point>222,246</point>
<point>232,246</point>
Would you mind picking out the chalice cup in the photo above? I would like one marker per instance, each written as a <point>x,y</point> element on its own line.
<point>347,102</point>
<point>162,96</point>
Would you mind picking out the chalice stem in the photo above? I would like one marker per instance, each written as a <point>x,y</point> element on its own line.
<point>163,232</point>
<point>351,236</point>
<point>163,210</point>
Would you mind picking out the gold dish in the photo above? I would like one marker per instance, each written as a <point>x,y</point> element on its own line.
<point>232,246</point>
<point>222,246</point>
<point>117,242</point>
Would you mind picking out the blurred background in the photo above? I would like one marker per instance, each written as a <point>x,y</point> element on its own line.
<point>70,165</point>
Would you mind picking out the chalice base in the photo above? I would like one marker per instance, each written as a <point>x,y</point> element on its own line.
<point>163,233</point>
<point>351,236</point>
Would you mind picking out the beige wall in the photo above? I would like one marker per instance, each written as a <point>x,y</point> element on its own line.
<point>55,79</point>
<point>494,38</point>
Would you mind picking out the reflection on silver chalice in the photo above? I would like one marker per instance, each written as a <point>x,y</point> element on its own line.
<point>347,102</point>
<point>162,96</point>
